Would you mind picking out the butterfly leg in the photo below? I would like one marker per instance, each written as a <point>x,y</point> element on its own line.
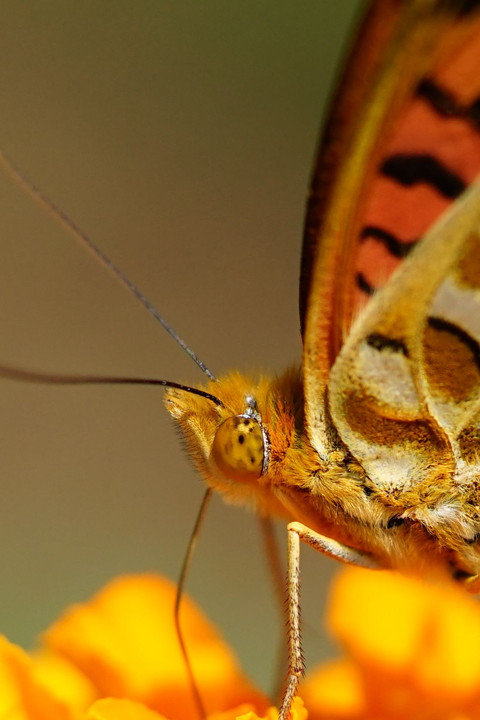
<point>331,548</point>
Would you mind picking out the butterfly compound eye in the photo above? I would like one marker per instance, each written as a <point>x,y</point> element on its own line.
<point>239,449</point>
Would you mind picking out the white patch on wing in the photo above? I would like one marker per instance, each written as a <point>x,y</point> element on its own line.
<point>390,468</point>
<point>458,305</point>
<point>448,414</point>
<point>386,376</point>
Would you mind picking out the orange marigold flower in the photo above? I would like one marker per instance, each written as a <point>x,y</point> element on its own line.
<point>243,712</point>
<point>413,651</point>
<point>117,658</point>
<point>124,642</point>
<point>22,696</point>
<point>114,709</point>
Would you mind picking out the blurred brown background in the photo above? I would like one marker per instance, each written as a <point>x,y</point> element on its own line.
<point>179,136</point>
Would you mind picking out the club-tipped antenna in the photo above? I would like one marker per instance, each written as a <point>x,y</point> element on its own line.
<point>36,194</point>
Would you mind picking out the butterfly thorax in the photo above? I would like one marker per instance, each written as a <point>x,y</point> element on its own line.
<point>287,477</point>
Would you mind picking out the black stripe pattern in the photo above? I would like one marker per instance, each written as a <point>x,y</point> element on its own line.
<point>445,104</point>
<point>463,8</point>
<point>408,170</point>
<point>411,169</point>
<point>396,247</point>
<point>364,285</point>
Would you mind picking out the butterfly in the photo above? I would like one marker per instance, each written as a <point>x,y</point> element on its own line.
<point>370,450</point>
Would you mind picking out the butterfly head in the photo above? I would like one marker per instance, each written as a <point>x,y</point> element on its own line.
<point>240,447</point>
<point>229,443</point>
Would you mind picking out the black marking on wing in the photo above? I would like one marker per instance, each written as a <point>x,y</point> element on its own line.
<point>465,7</point>
<point>409,170</point>
<point>364,285</point>
<point>381,342</point>
<point>442,325</point>
<point>444,102</point>
<point>398,248</point>
<point>474,113</point>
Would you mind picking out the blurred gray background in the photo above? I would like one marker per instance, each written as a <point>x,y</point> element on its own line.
<point>179,136</point>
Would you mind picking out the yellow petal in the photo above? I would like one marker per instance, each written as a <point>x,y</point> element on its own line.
<point>112,709</point>
<point>239,711</point>
<point>63,679</point>
<point>448,662</point>
<point>409,639</point>
<point>124,641</point>
<point>297,712</point>
<point>378,616</point>
<point>334,690</point>
<point>22,697</point>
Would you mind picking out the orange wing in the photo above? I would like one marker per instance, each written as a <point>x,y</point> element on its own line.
<point>402,144</point>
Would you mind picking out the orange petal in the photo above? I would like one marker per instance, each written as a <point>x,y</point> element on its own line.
<point>63,679</point>
<point>397,627</point>
<point>245,709</point>
<point>378,616</point>
<point>111,709</point>
<point>22,697</point>
<point>297,712</point>
<point>334,690</point>
<point>448,663</point>
<point>124,640</point>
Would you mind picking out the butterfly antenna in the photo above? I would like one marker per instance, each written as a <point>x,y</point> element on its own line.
<point>178,599</point>
<point>30,376</point>
<point>36,194</point>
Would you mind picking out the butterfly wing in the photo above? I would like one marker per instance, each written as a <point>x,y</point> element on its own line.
<point>405,388</point>
<point>405,145</point>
